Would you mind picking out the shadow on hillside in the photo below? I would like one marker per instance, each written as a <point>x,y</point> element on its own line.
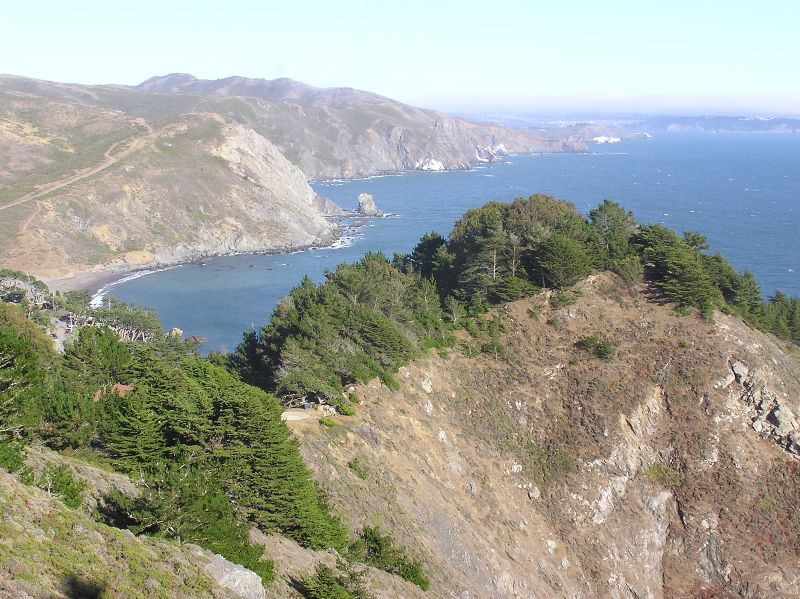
<point>75,587</point>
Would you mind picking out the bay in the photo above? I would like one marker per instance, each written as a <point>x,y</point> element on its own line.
<point>741,190</point>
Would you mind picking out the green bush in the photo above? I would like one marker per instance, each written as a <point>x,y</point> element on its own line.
<point>563,299</point>
<point>327,421</point>
<point>598,346</point>
<point>12,455</point>
<point>510,289</point>
<point>359,467</point>
<point>629,270</point>
<point>60,481</point>
<point>345,409</point>
<point>376,548</point>
<point>660,472</point>
<point>326,583</point>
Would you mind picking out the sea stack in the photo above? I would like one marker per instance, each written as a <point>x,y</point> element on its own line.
<point>366,206</point>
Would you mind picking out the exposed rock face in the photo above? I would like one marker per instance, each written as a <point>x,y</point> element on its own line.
<point>366,206</point>
<point>365,134</point>
<point>196,188</point>
<point>553,474</point>
<point>238,581</point>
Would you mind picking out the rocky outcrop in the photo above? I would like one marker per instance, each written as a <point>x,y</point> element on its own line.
<point>771,417</point>
<point>366,206</point>
<point>554,474</point>
<point>200,187</point>
<point>237,581</point>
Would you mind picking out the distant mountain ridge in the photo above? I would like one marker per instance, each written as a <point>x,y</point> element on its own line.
<point>720,124</point>
<point>342,132</point>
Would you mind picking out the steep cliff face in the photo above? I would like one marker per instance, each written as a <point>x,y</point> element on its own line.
<point>346,133</point>
<point>668,471</point>
<point>196,186</point>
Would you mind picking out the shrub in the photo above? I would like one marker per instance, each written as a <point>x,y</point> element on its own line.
<point>359,467</point>
<point>598,346</point>
<point>345,409</point>
<point>327,421</point>
<point>12,456</point>
<point>510,289</point>
<point>12,295</point>
<point>555,322</point>
<point>660,472</point>
<point>60,481</point>
<point>326,583</point>
<point>377,549</point>
<point>629,270</point>
<point>564,298</point>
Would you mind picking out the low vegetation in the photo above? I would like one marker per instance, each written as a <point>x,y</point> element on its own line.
<point>598,346</point>
<point>377,549</point>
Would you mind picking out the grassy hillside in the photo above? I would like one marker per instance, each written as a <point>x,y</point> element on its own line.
<point>51,550</point>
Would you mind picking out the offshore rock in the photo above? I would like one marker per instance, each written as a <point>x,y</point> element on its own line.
<point>366,206</point>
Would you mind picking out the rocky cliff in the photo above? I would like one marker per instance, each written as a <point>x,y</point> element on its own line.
<point>145,194</point>
<point>668,471</point>
<point>111,178</point>
<point>346,133</point>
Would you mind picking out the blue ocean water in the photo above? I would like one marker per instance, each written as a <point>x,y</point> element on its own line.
<point>741,191</point>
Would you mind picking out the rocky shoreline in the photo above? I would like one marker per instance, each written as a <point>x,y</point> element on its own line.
<point>96,280</point>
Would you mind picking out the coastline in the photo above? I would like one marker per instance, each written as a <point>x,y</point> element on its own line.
<point>101,280</point>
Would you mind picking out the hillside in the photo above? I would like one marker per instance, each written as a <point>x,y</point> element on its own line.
<point>131,193</point>
<point>658,473</point>
<point>345,133</point>
<point>110,178</point>
<point>48,550</point>
<point>625,432</point>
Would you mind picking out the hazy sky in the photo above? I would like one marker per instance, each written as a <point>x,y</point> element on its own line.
<point>708,55</point>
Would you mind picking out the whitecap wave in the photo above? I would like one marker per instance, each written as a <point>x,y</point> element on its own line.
<point>97,297</point>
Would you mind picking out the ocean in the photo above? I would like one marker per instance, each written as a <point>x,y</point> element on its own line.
<point>740,190</point>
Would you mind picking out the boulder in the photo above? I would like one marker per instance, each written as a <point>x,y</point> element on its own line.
<point>783,419</point>
<point>740,371</point>
<point>794,442</point>
<point>366,206</point>
<point>237,580</point>
<point>725,382</point>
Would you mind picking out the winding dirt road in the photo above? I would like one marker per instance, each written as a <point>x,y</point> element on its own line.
<point>109,160</point>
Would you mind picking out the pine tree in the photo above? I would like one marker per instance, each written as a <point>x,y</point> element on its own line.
<point>562,261</point>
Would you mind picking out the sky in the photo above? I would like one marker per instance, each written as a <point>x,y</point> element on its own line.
<point>644,56</point>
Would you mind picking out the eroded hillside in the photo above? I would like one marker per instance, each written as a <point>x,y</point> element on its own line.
<point>669,470</point>
<point>88,192</point>
<point>113,178</point>
<point>345,132</point>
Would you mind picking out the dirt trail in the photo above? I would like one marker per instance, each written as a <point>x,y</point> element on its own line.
<point>110,160</point>
<point>24,226</point>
